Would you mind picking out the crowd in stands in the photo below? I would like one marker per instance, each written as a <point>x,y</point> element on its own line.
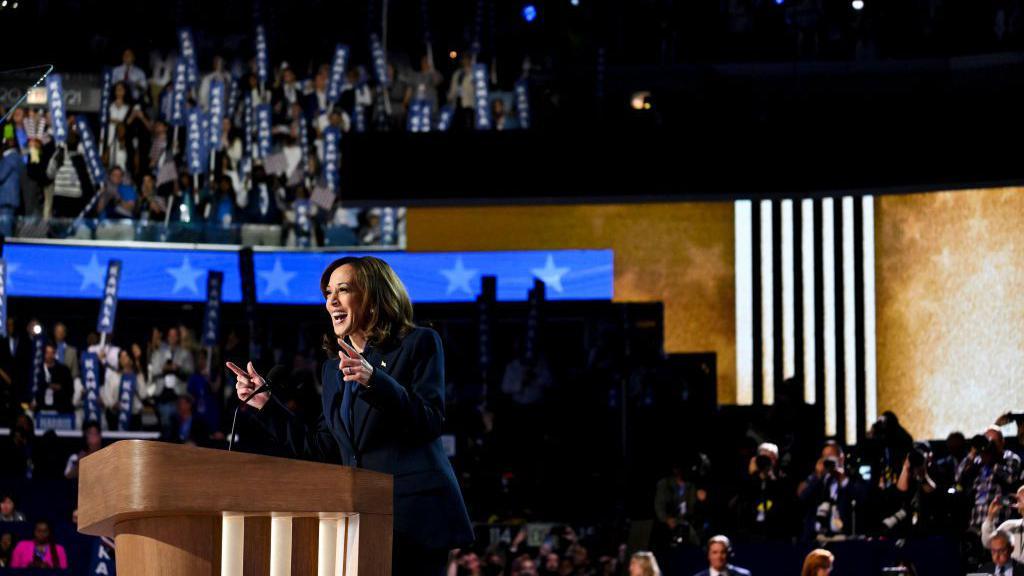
<point>967,491</point>
<point>280,197</point>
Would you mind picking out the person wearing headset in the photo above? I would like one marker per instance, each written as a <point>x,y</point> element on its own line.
<point>719,555</point>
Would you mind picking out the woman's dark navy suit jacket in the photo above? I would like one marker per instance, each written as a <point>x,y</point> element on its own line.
<point>394,426</point>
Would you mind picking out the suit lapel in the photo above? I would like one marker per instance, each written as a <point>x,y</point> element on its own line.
<point>364,412</point>
<point>335,392</point>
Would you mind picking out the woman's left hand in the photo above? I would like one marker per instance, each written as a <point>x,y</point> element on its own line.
<point>354,368</point>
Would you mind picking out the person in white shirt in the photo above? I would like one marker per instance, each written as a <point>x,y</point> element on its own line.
<point>1003,564</point>
<point>219,73</point>
<point>131,75</point>
<point>111,391</point>
<point>1015,527</point>
<point>719,554</point>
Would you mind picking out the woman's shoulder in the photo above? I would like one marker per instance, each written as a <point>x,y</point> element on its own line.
<point>420,335</point>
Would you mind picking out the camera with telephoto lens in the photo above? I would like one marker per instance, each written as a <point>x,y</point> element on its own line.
<point>763,463</point>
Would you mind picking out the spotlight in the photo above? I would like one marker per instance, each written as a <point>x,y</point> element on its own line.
<point>640,100</point>
<point>574,2</point>
<point>779,2</point>
<point>858,5</point>
<point>529,12</point>
<point>37,329</point>
<point>453,55</point>
<point>3,4</point>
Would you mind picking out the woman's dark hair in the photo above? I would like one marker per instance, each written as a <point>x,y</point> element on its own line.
<point>385,309</point>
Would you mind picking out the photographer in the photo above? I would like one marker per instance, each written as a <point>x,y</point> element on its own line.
<point>763,504</point>
<point>987,474</point>
<point>833,497</point>
<point>1015,527</point>
<point>920,511</point>
<point>677,503</point>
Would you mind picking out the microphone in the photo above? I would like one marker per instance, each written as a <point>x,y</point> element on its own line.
<point>268,382</point>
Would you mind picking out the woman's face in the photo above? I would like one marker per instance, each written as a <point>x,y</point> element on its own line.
<point>42,533</point>
<point>635,568</point>
<point>124,359</point>
<point>119,91</point>
<point>343,300</point>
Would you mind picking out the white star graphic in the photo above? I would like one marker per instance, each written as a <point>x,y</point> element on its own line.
<point>550,274</point>
<point>459,277</point>
<point>185,276</point>
<point>12,267</point>
<point>92,274</point>
<point>276,279</point>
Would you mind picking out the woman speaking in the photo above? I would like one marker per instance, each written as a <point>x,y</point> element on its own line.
<point>383,409</point>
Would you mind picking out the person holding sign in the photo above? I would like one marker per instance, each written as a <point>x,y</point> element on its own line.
<point>383,398</point>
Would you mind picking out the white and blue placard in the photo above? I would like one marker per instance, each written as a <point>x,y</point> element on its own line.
<point>90,152</point>
<point>102,557</point>
<point>359,122</point>
<point>337,77</point>
<point>195,140</point>
<point>176,275</point>
<point>232,98</point>
<point>3,297</point>
<point>91,383</point>
<point>262,59</point>
<point>105,90</point>
<point>108,307</point>
<point>249,128</point>
<point>444,118</point>
<point>523,103</point>
<point>263,125</point>
<point>332,156</point>
<point>58,115</point>
<point>419,116</point>
<point>217,110</point>
<point>211,317</point>
<point>124,399</point>
<point>304,144</point>
<point>38,345</point>
<point>380,69</point>
<point>303,226</point>
<point>388,226</point>
<point>187,52</point>
<point>483,110</point>
<point>179,96</point>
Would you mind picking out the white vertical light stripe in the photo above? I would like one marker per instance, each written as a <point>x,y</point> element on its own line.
<point>828,289</point>
<point>767,307</point>
<point>326,548</point>
<point>870,374</point>
<point>788,293</point>
<point>807,281</point>
<point>743,234</point>
<point>849,322</point>
<point>280,546</point>
<point>352,546</point>
<point>232,544</point>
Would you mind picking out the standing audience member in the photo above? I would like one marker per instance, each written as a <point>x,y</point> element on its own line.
<point>40,552</point>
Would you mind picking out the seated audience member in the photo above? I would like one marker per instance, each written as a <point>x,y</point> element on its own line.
<point>1013,527</point>
<point>719,553</point>
<point>40,552</point>
<point>818,563</point>
<point>643,564</point>
<point>8,512</point>
<point>93,442</point>
<point>1003,564</point>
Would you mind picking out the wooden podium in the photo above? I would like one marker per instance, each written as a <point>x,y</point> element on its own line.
<point>182,510</point>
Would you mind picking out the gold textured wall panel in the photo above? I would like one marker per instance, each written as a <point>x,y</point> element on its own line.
<point>950,295</point>
<point>681,254</point>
